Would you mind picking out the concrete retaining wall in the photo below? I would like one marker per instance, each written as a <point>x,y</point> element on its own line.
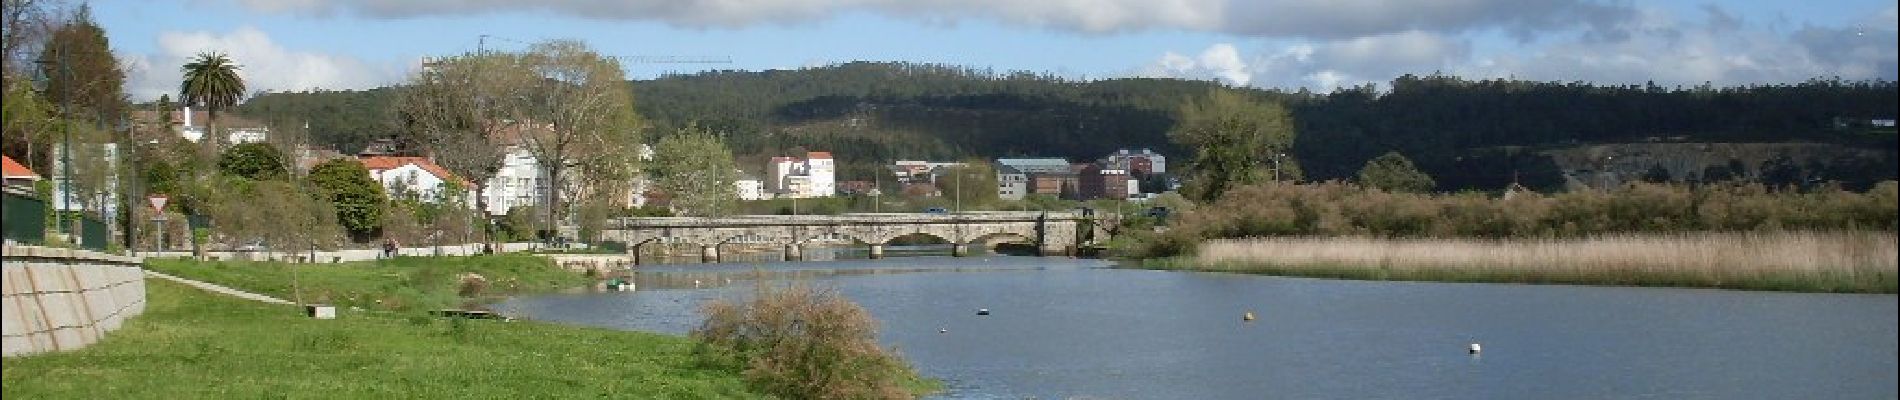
<point>60,299</point>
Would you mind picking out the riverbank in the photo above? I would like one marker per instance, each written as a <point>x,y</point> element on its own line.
<point>194,344</point>
<point>1839,262</point>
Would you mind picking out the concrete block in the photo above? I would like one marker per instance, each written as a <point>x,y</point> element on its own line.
<point>17,346</point>
<point>60,310</point>
<point>99,302</point>
<point>15,284</point>
<point>87,276</point>
<point>50,278</point>
<point>68,339</point>
<point>15,323</point>
<point>110,323</point>
<point>321,311</point>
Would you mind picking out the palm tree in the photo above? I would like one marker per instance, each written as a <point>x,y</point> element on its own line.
<point>211,81</point>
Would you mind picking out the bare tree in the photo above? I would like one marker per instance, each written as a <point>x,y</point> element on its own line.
<point>455,109</point>
<point>583,115</point>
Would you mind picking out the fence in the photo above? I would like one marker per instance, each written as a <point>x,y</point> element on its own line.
<point>23,217</point>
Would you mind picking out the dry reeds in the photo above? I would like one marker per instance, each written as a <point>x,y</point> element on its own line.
<point>1787,261</point>
<point>802,342</point>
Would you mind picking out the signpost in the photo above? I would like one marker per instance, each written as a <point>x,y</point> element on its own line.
<point>158,217</point>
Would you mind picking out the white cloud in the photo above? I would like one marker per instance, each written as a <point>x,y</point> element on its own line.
<point>264,64</point>
<point>1653,45</point>
<point>1268,18</point>
<point>1318,65</point>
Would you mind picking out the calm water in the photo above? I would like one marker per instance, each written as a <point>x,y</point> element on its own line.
<point>1074,329</point>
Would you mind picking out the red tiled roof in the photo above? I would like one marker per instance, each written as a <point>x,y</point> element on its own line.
<point>383,163</point>
<point>13,170</point>
<point>818,155</point>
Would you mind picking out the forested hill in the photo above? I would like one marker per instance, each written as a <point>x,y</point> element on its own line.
<point>1473,133</point>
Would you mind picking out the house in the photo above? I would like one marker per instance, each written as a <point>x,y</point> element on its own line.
<point>1011,184</point>
<point>1100,182</point>
<point>749,187</point>
<point>518,183</point>
<point>1137,163</point>
<point>415,178</point>
<point>908,171</point>
<point>18,175</point>
<point>1048,176</point>
<point>191,125</point>
<point>813,176</point>
<point>857,188</point>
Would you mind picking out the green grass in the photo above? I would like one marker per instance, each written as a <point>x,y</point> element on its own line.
<point>400,284</point>
<point>191,344</point>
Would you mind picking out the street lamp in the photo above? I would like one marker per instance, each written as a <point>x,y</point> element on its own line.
<point>1276,166</point>
<point>66,132</point>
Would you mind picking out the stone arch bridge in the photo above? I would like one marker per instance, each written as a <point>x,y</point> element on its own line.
<point>1052,232</point>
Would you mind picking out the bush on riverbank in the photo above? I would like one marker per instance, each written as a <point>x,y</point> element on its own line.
<point>1858,262</point>
<point>1344,209</point>
<point>400,284</point>
<point>802,342</point>
<point>191,344</point>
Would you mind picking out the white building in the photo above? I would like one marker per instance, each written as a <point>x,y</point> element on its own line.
<point>236,131</point>
<point>518,183</point>
<point>415,177</point>
<point>1011,184</point>
<point>749,188</point>
<point>813,176</point>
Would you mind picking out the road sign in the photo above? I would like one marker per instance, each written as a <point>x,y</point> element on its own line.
<point>158,202</point>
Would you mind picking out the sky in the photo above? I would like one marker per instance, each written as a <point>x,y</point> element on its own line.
<point>297,45</point>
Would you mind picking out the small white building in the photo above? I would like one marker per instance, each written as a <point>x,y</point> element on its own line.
<point>415,178</point>
<point>813,176</point>
<point>749,188</point>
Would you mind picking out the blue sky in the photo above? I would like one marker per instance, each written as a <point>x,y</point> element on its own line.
<point>289,45</point>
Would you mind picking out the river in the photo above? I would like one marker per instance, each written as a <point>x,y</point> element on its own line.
<point>1063,328</point>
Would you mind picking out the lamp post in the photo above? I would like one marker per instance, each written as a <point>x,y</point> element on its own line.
<point>1276,166</point>
<point>66,132</point>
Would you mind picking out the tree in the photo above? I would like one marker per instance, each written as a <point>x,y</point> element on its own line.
<point>357,198</point>
<point>1394,172</point>
<point>696,170</point>
<point>582,114</point>
<point>254,161</point>
<point>211,80</point>
<point>453,109</point>
<point>81,70</point>
<point>971,185</point>
<point>1233,137</point>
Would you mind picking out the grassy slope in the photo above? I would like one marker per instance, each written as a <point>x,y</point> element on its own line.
<point>403,284</point>
<point>193,344</point>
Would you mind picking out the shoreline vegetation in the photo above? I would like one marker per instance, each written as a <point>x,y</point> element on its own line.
<point>1724,235</point>
<point>1829,262</point>
<point>384,344</point>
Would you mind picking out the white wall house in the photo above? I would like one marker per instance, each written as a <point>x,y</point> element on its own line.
<point>813,176</point>
<point>749,188</point>
<point>519,183</point>
<point>415,177</point>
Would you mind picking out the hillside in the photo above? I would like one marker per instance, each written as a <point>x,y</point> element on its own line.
<point>1471,134</point>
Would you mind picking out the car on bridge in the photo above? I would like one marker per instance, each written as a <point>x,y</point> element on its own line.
<point>936,210</point>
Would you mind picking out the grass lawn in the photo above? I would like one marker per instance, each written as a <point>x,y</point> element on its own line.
<point>191,344</point>
<point>400,284</point>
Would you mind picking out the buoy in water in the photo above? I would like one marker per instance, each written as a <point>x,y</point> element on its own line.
<point>982,311</point>
<point>1475,348</point>
<point>1247,317</point>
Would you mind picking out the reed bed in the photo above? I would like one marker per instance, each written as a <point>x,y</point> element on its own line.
<point>1849,261</point>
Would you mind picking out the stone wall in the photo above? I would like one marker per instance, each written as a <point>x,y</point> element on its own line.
<point>60,299</point>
